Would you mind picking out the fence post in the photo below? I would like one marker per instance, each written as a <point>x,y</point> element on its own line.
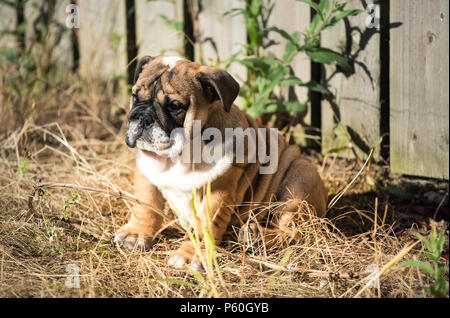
<point>419,95</point>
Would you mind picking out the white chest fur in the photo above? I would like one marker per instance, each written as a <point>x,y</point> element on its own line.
<point>176,180</point>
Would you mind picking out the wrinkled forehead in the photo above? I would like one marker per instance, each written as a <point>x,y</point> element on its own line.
<point>170,73</point>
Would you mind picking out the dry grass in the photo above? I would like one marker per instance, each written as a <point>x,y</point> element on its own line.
<point>70,135</point>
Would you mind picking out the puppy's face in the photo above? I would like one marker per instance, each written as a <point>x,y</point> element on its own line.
<point>168,94</point>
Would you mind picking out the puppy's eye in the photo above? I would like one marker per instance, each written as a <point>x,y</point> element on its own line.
<point>175,107</point>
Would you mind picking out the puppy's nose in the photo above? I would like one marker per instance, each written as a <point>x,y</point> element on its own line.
<point>134,131</point>
<point>136,127</point>
<point>140,118</point>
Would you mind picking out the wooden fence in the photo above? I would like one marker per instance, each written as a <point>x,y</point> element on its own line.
<point>398,87</point>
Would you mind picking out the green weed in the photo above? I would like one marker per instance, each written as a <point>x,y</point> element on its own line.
<point>74,199</point>
<point>434,245</point>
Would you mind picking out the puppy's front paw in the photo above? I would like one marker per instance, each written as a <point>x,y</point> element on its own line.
<point>180,258</point>
<point>132,241</point>
<point>177,261</point>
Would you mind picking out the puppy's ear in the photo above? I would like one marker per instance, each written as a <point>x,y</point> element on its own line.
<point>141,64</point>
<point>218,84</point>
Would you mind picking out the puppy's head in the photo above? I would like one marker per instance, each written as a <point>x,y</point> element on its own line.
<point>168,94</point>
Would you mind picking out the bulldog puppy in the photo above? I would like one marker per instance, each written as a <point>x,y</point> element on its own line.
<point>174,101</point>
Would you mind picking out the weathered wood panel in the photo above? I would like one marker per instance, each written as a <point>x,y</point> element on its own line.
<point>63,53</point>
<point>356,102</point>
<point>58,45</point>
<point>221,36</point>
<point>292,16</point>
<point>102,38</point>
<point>154,36</point>
<point>7,24</point>
<point>419,94</point>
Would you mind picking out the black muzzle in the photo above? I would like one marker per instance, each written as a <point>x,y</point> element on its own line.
<point>141,116</point>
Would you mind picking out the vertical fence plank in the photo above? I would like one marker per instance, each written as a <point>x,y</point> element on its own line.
<point>102,38</point>
<point>419,88</point>
<point>7,25</point>
<point>63,54</point>
<point>356,100</point>
<point>293,16</point>
<point>154,35</point>
<point>221,36</point>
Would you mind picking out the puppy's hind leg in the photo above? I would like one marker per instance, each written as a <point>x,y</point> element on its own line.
<point>303,194</point>
<point>303,183</point>
<point>280,232</point>
<point>300,195</point>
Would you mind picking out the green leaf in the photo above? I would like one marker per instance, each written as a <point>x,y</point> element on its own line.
<point>341,132</point>
<point>254,33</point>
<point>439,289</point>
<point>327,56</point>
<point>290,81</point>
<point>425,242</point>
<point>315,24</point>
<point>441,271</point>
<point>370,181</point>
<point>255,7</point>
<point>284,34</point>
<point>290,50</point>
<point>341,16</point>
<point>257,107</point>
<point>276,74</point>
<point>256,63</point>
<point>433,236</point>
<point>315,87</point>
<point>21,169</point>
<point>172,24</point>
<point>441,241</point>
<point>270,108</point>
<point>426,267</point>
<point>234,10</point>
<point>340,6</point>
<point>337,149</point>
<point>324,7</point>
<point>431,257</point>
<point>295,106</point>
<point>313,5</point>
<point>253,61</point>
